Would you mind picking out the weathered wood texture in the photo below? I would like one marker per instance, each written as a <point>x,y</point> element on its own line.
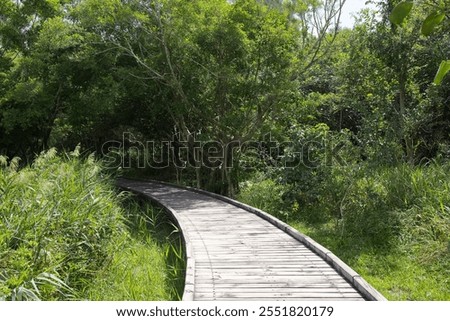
<point>234,254</point>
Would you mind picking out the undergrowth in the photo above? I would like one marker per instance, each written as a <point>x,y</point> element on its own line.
<point>67,234</point>
<point>391,224</point>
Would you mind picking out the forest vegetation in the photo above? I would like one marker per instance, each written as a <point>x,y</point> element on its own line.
<point>343,133</point>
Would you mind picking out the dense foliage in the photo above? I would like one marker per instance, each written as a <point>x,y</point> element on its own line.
<point>88,71</point>
<point>61,226</point>
<point>228,72</point>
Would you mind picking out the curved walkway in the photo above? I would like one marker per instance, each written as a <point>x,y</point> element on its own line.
<point>236,252</point>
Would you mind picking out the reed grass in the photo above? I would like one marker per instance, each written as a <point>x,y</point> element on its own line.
<point>67,234</point>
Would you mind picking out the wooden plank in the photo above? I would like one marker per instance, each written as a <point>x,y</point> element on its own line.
<point>263,269</point>
<point>253,247</point>
<point>303,259</point>
<point>243,289</point>
<point>218,243</point>
<point>240,237</point>
<point>255,265</point>
<point>252,255</point>
<point>230,238</point>
<point>268,275</point>
<point>249,271</point>
<point>276,299</point>
<point>272,287</point>
<point>260,237</point>
<point>289,282</point>
<point>246,261</point>
<point>314,296</point>
<point>290,251</point>
<point>245,250</point>
<point>238,253</point>
<point>260,232</point>
<point>287,279</point>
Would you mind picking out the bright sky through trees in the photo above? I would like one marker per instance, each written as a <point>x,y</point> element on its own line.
<point>352,7</point>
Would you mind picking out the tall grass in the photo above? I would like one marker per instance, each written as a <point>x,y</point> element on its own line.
<point>391,224</point>
<point>148,265</point>
<point>63,226</point>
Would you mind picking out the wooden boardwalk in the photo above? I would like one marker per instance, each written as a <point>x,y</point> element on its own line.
<point>235,252</point>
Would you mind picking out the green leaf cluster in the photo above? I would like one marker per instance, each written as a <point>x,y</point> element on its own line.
<point>431,22</point>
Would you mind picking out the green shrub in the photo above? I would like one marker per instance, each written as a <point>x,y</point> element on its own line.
<point>324,166</point>
<point>266,195</point>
